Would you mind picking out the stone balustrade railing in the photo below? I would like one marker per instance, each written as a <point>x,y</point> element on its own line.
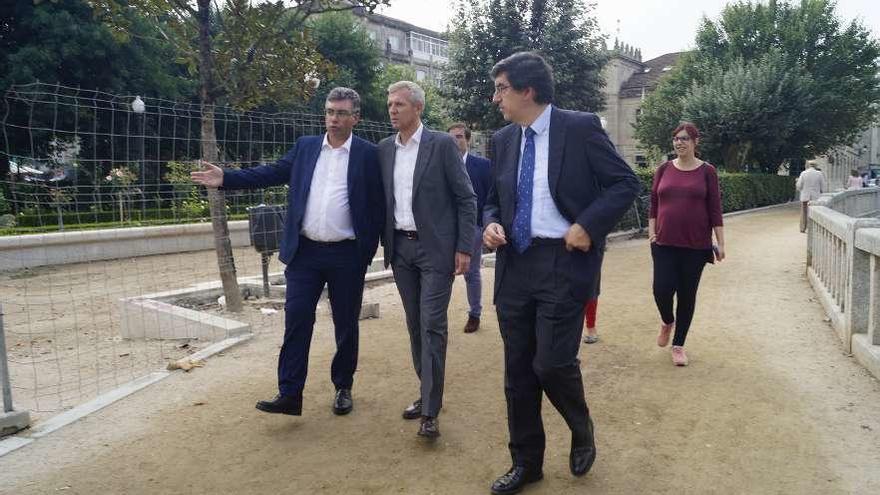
<point>843,266</point>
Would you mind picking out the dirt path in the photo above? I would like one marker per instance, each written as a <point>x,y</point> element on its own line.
<point>770,404</point>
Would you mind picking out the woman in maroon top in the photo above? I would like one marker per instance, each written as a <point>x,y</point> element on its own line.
<point>685,210</point>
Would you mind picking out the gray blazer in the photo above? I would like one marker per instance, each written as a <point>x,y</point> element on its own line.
<point>444,204</point>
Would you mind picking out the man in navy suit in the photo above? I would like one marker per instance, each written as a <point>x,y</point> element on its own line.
<point>559,187</point>
<point>478,171</point>
<point>335,213</point>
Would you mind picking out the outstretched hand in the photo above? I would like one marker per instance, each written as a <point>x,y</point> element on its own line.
<point>209,176</point>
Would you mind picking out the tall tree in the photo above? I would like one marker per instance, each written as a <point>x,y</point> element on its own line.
<point>750,111</point>
<point>435,114</point>
<point>61,42</point>
<point>244,53</point>
<point>486,31</point>
<point>841,62</point>
<point>345,43</point>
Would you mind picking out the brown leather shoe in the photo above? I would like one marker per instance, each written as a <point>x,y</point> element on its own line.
<point>472,325</point>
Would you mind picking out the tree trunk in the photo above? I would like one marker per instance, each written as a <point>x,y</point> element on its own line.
<point>216,198</point>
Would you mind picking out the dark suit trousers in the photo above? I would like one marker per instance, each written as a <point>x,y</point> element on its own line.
<point>541,325</point>
<point>315,264</point>
<point>425,293</point>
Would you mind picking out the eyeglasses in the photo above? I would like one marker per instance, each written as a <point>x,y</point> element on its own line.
<point>338,113</point>
<point>501,88</point>
<point>681,139</point>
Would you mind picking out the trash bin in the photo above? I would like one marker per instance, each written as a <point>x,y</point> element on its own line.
<point>266,224</point>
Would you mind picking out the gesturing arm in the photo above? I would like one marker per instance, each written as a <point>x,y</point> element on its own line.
<point>275,174</point>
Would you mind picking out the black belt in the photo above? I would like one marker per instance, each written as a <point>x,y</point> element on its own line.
<point>409,234</point>
<point>305,239</point>
<point>547,241</point>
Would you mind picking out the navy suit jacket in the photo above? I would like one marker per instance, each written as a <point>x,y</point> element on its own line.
<point>590,183</point>
<point>365,195</point>
<point>479,170</point>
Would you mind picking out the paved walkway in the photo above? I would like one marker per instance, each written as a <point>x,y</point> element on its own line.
<point>769,404</point>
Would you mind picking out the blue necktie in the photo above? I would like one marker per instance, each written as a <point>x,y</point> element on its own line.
<point>522,219</point>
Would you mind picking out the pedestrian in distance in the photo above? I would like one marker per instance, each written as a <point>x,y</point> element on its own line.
<point>810,185</point>
<point>478,171</point>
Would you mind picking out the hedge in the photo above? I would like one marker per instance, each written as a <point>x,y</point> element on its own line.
<point>738,192</point>
<point>49,219</point>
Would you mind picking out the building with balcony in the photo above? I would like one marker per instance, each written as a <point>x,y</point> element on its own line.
<point>404,43</point>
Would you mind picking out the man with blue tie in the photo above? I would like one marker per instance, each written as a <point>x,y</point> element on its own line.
<point>559,187</point>
<point>335,212</point>
<point>478,171</point>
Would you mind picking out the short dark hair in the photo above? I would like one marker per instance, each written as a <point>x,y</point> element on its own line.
<point>342,93</point>
<point>460,125</point>
<point>528,70</point>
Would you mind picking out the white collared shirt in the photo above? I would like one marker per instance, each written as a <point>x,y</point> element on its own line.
<point>404,170</point>
<point>328,216</point>
<point>546,219</point>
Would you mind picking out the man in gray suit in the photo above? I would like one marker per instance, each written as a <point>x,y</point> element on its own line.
<point>429,227</point>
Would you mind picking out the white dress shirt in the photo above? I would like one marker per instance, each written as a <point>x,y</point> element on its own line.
<point>328,216</point>
<point>404,170</point>
<point>546,219</point>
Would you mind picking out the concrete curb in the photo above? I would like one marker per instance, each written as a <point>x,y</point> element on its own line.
<point>44,428</point>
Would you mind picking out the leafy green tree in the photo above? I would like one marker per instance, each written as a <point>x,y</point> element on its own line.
<point>486,31</point>
<point>61,42</point>
<point>750,111</point>
<point>435,114</point>
<point>345,43</point>
<point>244,53</point>
<point>840,60</point>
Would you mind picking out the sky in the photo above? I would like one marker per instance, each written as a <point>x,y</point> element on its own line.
<point>655,26</point>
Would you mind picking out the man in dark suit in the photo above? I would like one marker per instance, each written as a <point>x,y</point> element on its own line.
<point>478,171</point>
<point>559,187</point>
<point>429,228</point>
<point>334,217</point>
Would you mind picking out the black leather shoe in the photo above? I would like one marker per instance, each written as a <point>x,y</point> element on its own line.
<point>515,480</point>
<point>414,410</point>
<point>583,453</point>
<point>282,404</point>
<point>430,427</point>
<point>472,325</point>
<point>343,403</point>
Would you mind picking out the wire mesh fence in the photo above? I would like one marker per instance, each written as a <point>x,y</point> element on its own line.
<point>92,302</point>
<point>105,294</point>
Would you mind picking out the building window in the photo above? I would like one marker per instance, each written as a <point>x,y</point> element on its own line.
<point>425,47</point>
<point>641,161</point>
<point>394,43</point>
<point>372,35</point>
<point>420,75</point>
